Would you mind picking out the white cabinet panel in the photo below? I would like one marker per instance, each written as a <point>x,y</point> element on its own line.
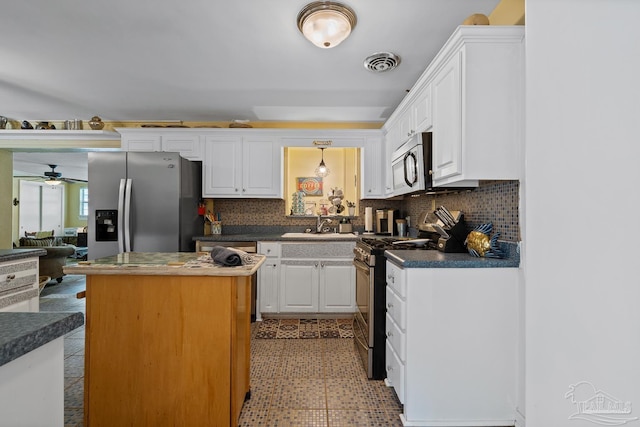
<point>337,287</point>
<point>299,286</point>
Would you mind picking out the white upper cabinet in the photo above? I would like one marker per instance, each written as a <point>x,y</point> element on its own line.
<point>478,106</point>
<point>373,169</point>
<point>471,97</point>
<point>188,143</point>
<point>237,166</point>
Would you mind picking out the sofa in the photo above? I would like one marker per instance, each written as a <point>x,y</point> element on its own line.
<point>57,253</point>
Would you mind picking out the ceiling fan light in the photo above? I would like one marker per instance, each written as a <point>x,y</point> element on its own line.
<point>53,181</point>
<point>326,24</point>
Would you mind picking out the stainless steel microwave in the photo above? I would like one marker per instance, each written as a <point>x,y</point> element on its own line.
<point>409,167</point>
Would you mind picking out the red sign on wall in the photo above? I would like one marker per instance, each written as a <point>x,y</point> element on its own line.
<point>311,186</point>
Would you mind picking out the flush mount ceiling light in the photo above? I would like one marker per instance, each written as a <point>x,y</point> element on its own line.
<point>322,170</point>
<point>326,23</point>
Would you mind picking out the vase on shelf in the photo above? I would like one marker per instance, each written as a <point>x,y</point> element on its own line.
<point>96,123</point>
<point>352,211</point>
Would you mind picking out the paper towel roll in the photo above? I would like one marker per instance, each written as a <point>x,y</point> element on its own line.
<point>368,219</point>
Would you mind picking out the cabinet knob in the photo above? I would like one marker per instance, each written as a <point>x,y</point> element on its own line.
<point>389,333</point>
<point>236,190</point>
<point>322,264</point>
<point>10,277</point>
<point>389,305</point>
<point>389,368</point>
<point>316,265</point>
<point>243,190</point>
<point>268,250</point>
<point>274,265</point>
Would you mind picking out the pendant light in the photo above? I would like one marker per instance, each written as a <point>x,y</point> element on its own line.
<point>322,170</point>
<point>326,24</point>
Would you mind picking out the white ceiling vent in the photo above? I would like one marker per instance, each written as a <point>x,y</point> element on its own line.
<point>381,61</point>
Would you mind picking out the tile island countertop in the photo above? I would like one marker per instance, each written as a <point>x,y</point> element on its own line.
<point>163,264</point>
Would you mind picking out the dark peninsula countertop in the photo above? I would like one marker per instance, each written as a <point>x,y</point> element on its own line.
<point>23,332</point>
<point>16,254</point>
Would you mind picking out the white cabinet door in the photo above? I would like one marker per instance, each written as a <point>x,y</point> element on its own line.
<point>422,111</point>
<point>222,166</point>
<point>372,184</point>
<point>447,121</point>
<point>141,142</point>
<point>269,283</point>
<point>189,146</point>
<point>237,167</point>
<point>261,167</point>
<point>299,286</point>
<point>337,287</point>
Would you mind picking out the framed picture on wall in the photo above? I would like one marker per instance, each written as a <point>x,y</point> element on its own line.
<point>311,186</point>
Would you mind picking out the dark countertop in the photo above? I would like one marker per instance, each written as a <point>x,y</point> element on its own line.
<point>270,237</point>
<point>15,254</point>
<point>23,332</point>
<point>436,259</point>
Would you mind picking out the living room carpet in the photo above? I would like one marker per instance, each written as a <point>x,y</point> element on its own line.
<point>305,328</point>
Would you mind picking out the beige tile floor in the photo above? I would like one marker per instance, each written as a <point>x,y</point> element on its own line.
<point>294,382</point>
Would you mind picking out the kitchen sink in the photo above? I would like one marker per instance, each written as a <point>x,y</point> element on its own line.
<point>319,236</point>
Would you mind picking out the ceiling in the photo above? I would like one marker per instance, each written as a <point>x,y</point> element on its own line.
<point>212,60</point>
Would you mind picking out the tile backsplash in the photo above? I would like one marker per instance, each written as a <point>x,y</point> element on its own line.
<point>493,201</point>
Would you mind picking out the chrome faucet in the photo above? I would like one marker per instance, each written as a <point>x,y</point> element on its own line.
<point>321,222</point>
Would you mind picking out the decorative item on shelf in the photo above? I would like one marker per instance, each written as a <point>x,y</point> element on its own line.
<point>45,125</point>
<point>479,244</point>
<point>298,203</point>
<point>476,19</point>
<point>215,223</point>
<point>240,124</point>
<point>96,123</point>
<point>73,124</point>
<point>335,197</point>
<point>3,122</point>
<point>351,206</point>
<point>26,125</point>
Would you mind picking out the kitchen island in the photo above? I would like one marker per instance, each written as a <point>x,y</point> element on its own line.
<point>167,339</point>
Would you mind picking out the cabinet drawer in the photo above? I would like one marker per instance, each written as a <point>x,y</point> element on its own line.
<point>16,276</point>
<point>395,371</point>
<point>396,279</point>
<point>396,309</point>
<point>396,337</point>
<point>269,249</point>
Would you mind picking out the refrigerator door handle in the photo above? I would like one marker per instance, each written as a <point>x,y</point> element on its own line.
<point>127,216</point>
<point>121,191</point>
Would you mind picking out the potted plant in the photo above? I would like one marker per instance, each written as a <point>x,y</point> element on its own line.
<point>352,208</point>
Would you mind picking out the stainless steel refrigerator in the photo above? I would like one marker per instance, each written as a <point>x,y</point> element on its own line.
<point>142,202</point>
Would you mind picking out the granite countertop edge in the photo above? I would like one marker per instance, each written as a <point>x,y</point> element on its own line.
<point>16,254</point>
<point>23,332</point>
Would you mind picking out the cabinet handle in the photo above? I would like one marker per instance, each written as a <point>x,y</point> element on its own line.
<point>10,277</point>
<point>389,334</point>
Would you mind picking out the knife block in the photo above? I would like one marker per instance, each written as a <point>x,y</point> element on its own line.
<point>457,235</point>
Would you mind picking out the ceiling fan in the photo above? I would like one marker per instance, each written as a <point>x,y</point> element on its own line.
<point>55,178</point>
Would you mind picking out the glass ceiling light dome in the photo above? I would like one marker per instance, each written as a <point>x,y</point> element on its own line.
<point>326,24</point>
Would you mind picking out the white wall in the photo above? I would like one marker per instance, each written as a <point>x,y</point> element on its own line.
<point>582,198</point>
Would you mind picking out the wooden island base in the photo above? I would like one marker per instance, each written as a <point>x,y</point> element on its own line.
<point>166,350</point>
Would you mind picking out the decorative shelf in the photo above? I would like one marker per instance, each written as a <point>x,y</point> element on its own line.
<point>21,139</point>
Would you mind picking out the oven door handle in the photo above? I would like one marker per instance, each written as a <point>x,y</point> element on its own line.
<point>361,265</point>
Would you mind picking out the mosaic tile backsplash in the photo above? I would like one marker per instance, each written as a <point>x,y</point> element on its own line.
<point>493,201</point>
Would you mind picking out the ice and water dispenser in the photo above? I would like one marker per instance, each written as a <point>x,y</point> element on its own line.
<point>106,225</point>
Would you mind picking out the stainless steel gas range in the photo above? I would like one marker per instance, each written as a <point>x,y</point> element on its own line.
<point>369,320</point>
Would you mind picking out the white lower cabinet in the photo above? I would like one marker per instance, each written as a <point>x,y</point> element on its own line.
<point>451,344</point>
<point>268,278</point>
<point>317,278</point>
<point>19,289</point>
